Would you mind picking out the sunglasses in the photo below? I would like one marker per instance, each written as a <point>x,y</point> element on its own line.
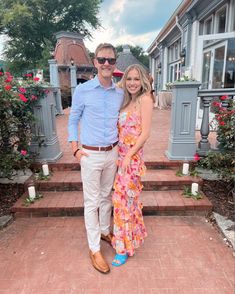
<point>102,60</point>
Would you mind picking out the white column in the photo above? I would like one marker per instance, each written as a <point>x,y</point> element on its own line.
<point>164,69</point>
<point>73,78</point>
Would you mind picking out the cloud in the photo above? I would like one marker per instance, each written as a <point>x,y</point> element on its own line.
<point>135,22</point>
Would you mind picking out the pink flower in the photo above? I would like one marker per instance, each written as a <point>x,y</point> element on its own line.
<point>22,90</point>
<point>29,75</point>
<point>23,152</point>
<point>196,157</point>
<point>222,123</point>
<point>7,87</point>
<point>1,73</point>
<point>224,97</point>
<point>9,79</point>
<point>22,97</point>
<point>33,97</point>
<point>217,104</point>
<point>36,79</point>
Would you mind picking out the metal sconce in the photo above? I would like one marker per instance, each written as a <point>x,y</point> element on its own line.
<point>52,53</point>
<point>182,56</point>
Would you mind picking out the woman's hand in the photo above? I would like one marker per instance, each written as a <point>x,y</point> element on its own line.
<point>126,163</point>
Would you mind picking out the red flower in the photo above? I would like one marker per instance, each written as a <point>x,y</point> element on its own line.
<point>222,123</point>
<point>196,157</point>
<point>33,97</point>
<point>7,87</point>
<point>22,90</point>
<point>29,75</point>
<point>217,104</point>
<point>9,79</point>
<point>23,152</point>
<point>1,73</point>
<point>224,97</point>
<point>22,97</point>
<point>36,79</point>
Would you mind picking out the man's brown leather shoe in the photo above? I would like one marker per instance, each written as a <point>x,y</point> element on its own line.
<point>107,238</point>
<point>98,262</point>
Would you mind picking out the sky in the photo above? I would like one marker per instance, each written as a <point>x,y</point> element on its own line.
<point>133,22</point>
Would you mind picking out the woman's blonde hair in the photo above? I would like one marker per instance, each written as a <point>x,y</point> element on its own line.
<point>146,87</point>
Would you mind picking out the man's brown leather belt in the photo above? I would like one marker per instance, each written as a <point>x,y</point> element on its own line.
<point>107,148</point>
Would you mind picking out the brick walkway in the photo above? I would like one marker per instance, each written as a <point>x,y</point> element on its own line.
<point>181,255</point>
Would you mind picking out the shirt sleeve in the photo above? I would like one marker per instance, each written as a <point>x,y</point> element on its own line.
<point>75,114</point>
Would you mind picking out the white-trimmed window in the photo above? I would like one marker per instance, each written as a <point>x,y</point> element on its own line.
<point>174,71</point>
<point>221,20</point>
<point>208,26</point>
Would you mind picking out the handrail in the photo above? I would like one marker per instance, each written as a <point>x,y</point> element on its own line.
<point>206,97</point>
<point>216,92</point>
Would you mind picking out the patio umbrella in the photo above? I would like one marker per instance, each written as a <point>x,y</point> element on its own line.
<point>118,73</point>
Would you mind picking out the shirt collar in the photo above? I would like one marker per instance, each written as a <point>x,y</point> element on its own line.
<point>96,83</point>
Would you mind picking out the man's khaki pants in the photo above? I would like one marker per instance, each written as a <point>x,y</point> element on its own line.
<point>98,171</point>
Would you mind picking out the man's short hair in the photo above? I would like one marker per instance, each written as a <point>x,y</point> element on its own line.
<point>105,46</point>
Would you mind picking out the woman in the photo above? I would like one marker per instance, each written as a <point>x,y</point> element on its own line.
<point>134,129</point>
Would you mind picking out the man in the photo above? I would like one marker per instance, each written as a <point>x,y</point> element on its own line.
<point>96,104</point>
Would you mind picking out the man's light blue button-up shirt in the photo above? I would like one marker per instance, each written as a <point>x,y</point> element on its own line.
<point>96,109</point>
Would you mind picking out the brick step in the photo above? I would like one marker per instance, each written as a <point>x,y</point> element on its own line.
<point>70,203</point>
<point>153,180</point>
<point>70,166</point>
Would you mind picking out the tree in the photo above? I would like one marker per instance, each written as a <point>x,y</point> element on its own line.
<point>138,52</point>
<point>31,26</point>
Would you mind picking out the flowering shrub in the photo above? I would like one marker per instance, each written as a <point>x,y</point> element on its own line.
<point>222,161</point>
<point>16,116</point>
<point>224,121</point>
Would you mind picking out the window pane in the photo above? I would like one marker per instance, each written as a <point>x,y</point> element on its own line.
<point>221,21</point>
<point>218,68</point>
<point>229,78</point>
<point>206,69</point>
<point>208,26</point>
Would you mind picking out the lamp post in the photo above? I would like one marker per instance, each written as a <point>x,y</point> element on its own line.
<point>73,75</point>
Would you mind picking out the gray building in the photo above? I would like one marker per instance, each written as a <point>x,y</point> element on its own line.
<point>198,41</point>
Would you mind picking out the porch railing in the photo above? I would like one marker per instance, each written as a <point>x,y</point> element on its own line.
<point>206,97</point>
<point>182,140</point>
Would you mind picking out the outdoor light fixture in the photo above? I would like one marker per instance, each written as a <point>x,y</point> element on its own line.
<point>72,61</point>
<point>52,53</point>
<point>182,56</point>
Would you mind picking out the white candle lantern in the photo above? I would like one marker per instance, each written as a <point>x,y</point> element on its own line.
<point>194,189</point>
<point>32,192</point>
<point>185,168</point>
<point>45,169</point>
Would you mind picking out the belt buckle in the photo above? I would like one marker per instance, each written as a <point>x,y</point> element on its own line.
<point>99,148</point>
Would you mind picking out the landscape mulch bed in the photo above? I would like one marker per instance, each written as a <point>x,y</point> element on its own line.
<point>220,194</point>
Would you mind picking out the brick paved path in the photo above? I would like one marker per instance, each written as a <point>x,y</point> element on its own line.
<point>181,255</point>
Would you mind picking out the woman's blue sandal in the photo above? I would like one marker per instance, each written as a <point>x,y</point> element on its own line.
<point>119,259</point>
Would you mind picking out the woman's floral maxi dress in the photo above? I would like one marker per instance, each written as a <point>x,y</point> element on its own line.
<point>129,229</point>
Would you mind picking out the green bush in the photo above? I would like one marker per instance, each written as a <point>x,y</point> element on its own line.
<point>222,161</point>
<point>16,116</point>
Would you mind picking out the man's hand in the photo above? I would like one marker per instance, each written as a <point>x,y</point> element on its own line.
<point>79,155</point>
